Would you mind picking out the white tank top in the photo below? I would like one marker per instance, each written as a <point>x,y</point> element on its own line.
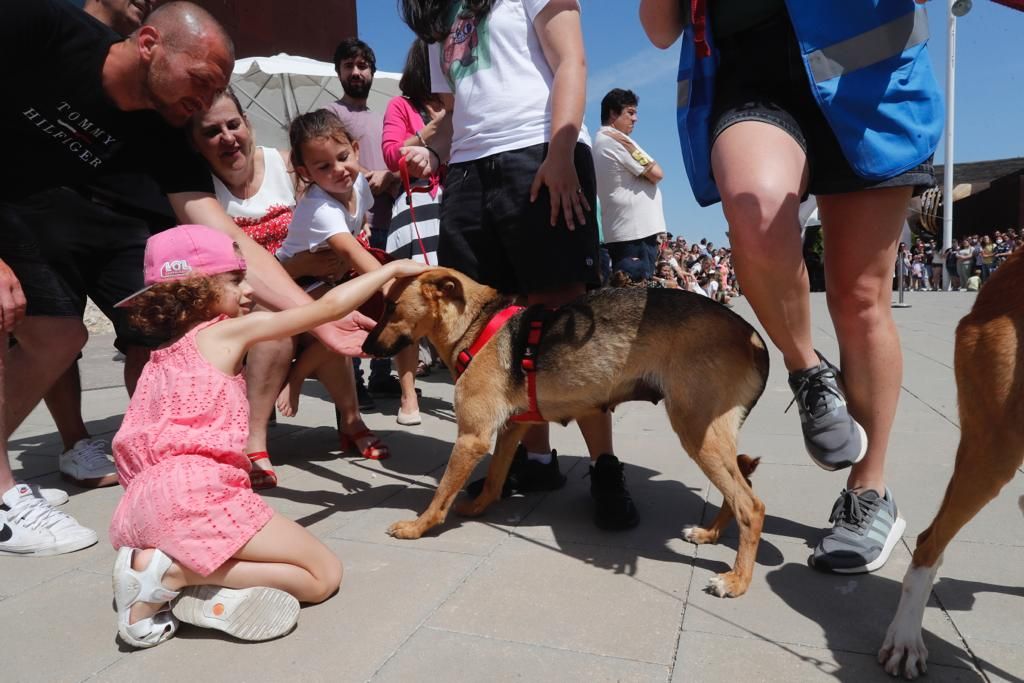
<point>264,216</point>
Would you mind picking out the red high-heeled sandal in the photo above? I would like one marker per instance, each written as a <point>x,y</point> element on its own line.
<point>261,478</point>
<point>375,450</point>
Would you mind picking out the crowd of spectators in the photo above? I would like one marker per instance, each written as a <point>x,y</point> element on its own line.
<point>969,262</point>
<point>700,267</point>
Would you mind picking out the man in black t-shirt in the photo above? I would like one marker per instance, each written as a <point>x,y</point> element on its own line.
<point>83,103</point>
<point>94,238</point>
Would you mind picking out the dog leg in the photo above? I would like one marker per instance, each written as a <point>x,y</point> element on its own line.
<point>497,472</point>
<point>470,448</point>
<point>698,535</point>
<point>715,451</point>
<point>974,483</point>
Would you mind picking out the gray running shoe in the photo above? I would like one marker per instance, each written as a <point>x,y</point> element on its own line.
<point>866,527</point>
<point>833,438</point>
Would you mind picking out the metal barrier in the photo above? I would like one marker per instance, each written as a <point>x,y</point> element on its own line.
<point>899,303</point>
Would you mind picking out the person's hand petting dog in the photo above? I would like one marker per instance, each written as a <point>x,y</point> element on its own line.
<point>346,336</point>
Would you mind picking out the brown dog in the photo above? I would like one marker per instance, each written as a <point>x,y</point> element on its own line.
<point>608,347</point>
<point>989,366</point>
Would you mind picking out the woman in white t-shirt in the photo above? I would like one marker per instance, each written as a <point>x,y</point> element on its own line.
<point>517,212</point>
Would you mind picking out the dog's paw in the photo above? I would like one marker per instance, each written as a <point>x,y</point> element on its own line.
<point>727,585</point>
<point>408,529</point>
<point>700,535</point>
<point>903,652</point>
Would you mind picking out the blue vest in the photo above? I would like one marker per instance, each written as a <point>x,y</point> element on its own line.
<point>868,65</point>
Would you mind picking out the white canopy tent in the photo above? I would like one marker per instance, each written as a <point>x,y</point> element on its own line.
<point>274,90</point>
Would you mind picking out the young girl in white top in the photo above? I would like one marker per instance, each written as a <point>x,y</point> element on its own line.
<point>329,215</point>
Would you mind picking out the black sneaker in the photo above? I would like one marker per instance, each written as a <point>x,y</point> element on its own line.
<point>866,527</point>
<point>613,506</point>
<point>385,386</point>
<point>366,401</point>
<point>525,476</point>
<point>834,440</point>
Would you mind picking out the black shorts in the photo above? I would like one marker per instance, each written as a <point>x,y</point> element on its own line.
<point>761,77</point>
<point>491,232</point>
<point>64,247</point>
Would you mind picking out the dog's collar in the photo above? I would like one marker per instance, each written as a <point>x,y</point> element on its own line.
<point>490,329</point>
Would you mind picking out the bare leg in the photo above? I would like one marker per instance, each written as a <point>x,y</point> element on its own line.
<point>406,361</point>
<point>761,172</point>
<point>281,555</point>
<point>338,377</point>
<point>6,476</point>
<point>265,368</point>
<point>135,359</point>
<point>861,232</point>
<point>309,360</point>
<point>46,348</point>
<point>64,401</point>
<point>25,376</point>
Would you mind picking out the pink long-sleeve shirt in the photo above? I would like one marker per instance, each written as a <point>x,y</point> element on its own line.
<point>401,121</point>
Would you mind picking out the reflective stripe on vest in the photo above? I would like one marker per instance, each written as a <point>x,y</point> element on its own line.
<point>683,94</point>
<point>870,47</point>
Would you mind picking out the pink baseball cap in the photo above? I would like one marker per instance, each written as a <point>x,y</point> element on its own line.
<point>183,252</point>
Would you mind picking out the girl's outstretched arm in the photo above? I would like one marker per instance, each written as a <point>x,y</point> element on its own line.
<point>224,344</point>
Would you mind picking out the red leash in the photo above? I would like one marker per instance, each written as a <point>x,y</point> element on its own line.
<point>403,169</point>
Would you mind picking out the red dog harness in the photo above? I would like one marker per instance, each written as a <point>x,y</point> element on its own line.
<point>536,316</point>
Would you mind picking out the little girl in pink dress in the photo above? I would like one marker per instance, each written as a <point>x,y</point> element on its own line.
<point>189,528</point>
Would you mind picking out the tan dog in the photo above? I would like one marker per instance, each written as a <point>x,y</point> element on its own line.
<point>608,347</point>
<point>989,365</point>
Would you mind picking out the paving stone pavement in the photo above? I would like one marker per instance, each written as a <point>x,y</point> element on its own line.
<point>533,591</point>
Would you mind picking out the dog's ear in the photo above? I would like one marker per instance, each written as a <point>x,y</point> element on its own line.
<point>442,286</point>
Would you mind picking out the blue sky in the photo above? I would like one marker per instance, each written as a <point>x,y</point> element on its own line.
<point>989,86</point>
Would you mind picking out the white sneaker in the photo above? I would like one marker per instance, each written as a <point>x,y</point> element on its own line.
<point>54,497</point>
<point>33,527</point>
<point>88,463</point>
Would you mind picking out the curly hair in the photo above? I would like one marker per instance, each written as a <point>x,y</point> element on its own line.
<point>170,309</point>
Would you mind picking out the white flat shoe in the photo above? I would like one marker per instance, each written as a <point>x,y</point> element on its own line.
<point>409,419</point>
<point>131,587</point>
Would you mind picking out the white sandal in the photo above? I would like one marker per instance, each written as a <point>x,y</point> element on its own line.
<point>131,587</point>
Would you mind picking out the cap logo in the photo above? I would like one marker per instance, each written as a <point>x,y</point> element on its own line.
<point>174,269</point>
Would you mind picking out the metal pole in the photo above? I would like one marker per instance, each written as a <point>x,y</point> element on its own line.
<point>900,273</point>
<point>947,170</point>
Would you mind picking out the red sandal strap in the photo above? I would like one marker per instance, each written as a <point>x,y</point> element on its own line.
<point>258,455</point>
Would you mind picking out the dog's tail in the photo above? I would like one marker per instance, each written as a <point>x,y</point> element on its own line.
<point>759,357</point>
<point>747,465</point>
